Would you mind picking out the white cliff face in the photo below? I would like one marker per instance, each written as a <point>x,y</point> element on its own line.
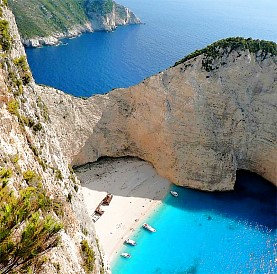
<point>196,127</point>
<point>119,16</point>
<point>40,151</point>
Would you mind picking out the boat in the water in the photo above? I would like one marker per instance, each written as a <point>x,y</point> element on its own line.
<point>130,242</point>
<point>148,227</point>
<point>125,255</point>
<point>174,193</point>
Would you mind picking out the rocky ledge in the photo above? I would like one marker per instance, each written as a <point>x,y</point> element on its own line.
<point>55,38</point>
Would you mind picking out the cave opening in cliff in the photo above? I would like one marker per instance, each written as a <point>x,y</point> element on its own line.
<point>123,176</point>
<point>253,201</point>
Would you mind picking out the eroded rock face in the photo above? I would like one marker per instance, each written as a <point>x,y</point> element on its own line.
<point>39,151</point>
<point>118,16</point>
<point>196,127</point>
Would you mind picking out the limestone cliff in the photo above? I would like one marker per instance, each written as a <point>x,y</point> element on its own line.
<point>107,16</point>
<point>29,146</point>
<point>197,123</point>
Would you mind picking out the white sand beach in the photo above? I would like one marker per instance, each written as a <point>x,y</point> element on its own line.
<point>137,190</point>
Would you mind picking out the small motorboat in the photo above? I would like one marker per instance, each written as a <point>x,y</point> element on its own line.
<point>174,193</point>
<point>125,255</point>
<point>130,242</point>
<point>148,227</point>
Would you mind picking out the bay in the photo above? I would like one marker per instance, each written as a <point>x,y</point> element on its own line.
<point>97,62</point>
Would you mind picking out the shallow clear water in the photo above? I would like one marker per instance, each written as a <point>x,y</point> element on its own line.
<point>209,233</point>
<point>98,62</point>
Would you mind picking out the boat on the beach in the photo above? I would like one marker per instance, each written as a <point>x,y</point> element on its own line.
<point>148,227</point>
<point>107,199</point>
<point>174,193</point>
<point>125,255</point>
<point>130,242</point>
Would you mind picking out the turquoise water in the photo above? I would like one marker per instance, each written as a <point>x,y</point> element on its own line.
<point>99,62</point>
<point>209,233</point>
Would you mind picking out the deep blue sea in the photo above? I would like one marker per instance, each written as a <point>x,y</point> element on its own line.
<point>197,233</point>
<point>98,62</point>
<point>209,233</point>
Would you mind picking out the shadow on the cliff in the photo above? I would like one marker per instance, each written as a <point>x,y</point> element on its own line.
<point>252,202</point>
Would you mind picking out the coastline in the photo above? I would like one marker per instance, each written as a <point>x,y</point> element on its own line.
<point>137,191</point>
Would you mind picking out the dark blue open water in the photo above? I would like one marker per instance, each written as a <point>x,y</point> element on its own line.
<point>197,232</point>
<point>99,62</point>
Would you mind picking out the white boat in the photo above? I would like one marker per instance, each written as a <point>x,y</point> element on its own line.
<point>125,255</point>
<point>148,227</point>
<point>174,193</point>
<point>130,242</point>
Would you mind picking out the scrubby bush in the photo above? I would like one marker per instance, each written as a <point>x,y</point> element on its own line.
<point>23,69</point>
<point>88,256</point>
<point>13,107</point>
<point>32,178</point>
<point>26,228</point>
<point>58,174</point>
<point>5,38</point>
<point>37,127</point>
<point>5,175</point>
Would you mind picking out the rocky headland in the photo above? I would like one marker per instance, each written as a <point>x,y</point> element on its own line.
<point>197,123</point>
<point>46,22</point>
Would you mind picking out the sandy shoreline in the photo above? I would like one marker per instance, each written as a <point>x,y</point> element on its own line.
<point>137,190</point>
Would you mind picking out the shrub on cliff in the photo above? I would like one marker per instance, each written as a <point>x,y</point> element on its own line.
<point>27,230</point>
<point>88,256</point>
<point>5,38</point>
<point>13,107</point>
<point>23,69</point>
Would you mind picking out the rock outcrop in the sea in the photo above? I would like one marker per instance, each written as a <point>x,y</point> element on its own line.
<point>197,123</point>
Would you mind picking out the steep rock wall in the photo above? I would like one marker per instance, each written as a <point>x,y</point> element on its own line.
<point>118,16</point>
<point>196,127</point>
<point>24,148</point>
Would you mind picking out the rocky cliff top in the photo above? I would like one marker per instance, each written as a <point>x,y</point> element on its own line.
<point>223,47</point>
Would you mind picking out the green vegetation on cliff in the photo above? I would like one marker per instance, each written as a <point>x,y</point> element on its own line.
<point>101,7</point>
<point>217,49</point>
<point>5,38</point>
<point>27,227</point>
<point>44,17</point>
